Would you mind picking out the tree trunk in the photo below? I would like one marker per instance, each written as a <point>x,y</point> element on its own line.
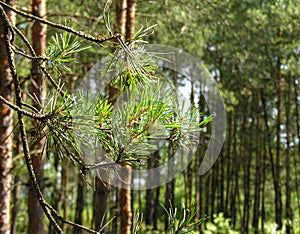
<point>121,9</point>
<point>170,186</point>
<point>6,127</point>
<point>229,165</point>
<point>278,201</point>
<point>126,212</point>
<point>246,163</point>
<point>156,205</point>
<point>130,19</point>
<point>80,205</point>
<point>38,88</point>
<point>257,168</point>
<point>288,212</point>
<point>101,200</point>
<point>199,156</point>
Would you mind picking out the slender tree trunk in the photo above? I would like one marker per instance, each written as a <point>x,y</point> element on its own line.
<point>126,212</point>
<point>264,165</point>
<point>121,9</point>
<point>130,19</point>
<point>296,87</point>
<point>6,127</point>
<point>170,186</point>
<point>246,163</point>
<point>156,199</point>
<point>288,212</point>
<point>38,88</point>
<point>257,168</point>
<point>199,156</point>
<point>235,175</point>
<point>278,201</point>
<point>269,149</point>
<point>229,165</point>
<point>80,205</point>
<point>150,192</point>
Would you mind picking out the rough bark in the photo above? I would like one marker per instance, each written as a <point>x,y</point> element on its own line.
<point>130,19</point>
<point>38,88</point>
<point>6,127</point>
<point>121,9</point>
<point>126,213</point>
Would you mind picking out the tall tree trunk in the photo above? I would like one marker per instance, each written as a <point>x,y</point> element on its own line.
<point>126,212</point>
<point>121,9</point>
<point>246,163</point>
<point>235,175</point>
<point>170,186</point>
<point>229,165</point>
<point>288,212</point>
<point>80,205</point>
<point>156,199</point>
<point>130,19</point>
<point>296,87</point>
<point>150,192</point>
<point>264,165</point>
<point>6,127</point>
<point>278,201</point>
<point>257,168</point>
<point>199,156</point>
<point>38,88</point>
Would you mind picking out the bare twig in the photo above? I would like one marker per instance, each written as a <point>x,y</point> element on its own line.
<point>24,112</point>
<point>44,70</point>
<point>60,26</point>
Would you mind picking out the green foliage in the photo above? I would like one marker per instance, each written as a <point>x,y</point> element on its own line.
<point>61,50</point>
<point>183,220</point>
<point>220,225</point>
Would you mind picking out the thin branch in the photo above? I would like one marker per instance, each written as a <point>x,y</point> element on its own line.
<point>7,28</point>
<point>60,218</point>
<point>24,112</point>
<point>44,70</point>
<point>38,58</point>
<point>60,26</point>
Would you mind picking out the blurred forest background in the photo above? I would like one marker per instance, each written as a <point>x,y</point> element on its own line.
<point>252,50</point>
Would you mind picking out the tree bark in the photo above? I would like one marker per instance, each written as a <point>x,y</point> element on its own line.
<point>38,88</point>
<point>6,128</point>
<point>126,212</point>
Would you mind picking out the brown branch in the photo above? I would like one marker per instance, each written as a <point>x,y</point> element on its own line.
<point>7,28</point>
<point>44,70</point>
<point>60,26</point>
<point>38,58</point>
<point>24,112</point>
<point>60,218</point>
